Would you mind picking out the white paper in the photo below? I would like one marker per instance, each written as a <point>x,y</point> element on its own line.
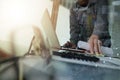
<point>105,50</point>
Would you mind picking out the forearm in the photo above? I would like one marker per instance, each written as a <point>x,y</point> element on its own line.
<point>101,27</point>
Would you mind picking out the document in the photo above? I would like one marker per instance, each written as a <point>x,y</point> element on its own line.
<point>105,50</point>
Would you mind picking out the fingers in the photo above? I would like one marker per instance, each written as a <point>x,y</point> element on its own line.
<point>96,48</point>
<point>73,46</point>
<point>69,45</point>
<point>95,45</point>
<point>99,46</point>
<point>91,46</point>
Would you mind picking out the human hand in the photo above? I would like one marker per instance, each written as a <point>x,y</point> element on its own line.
<point>95,44</point>
<point>69,44</point>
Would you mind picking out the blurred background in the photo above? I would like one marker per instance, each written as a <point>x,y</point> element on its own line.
<point>18,17</point>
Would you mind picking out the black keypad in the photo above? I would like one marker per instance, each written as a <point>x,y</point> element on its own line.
<point>76,55</point>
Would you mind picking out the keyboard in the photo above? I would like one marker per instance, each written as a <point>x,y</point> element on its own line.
<point>86,59</point>
<point>75,55</point>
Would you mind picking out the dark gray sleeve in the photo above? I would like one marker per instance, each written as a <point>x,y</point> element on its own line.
<point>101,25</point>
<point>74,27</point>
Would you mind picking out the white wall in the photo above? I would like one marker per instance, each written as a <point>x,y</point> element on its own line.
<point>62,29</point>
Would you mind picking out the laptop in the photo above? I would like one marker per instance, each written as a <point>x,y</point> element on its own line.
<point>51,36</point>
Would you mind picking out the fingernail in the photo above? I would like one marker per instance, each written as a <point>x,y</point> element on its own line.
<point>101,55</point>
<point>97,54</point>
<point>92,52</point>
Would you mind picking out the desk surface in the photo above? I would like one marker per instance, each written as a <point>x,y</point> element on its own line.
<point>58,70</point>
<point>36,68</point>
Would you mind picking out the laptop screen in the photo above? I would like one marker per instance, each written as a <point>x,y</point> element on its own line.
<point>50,33</point>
